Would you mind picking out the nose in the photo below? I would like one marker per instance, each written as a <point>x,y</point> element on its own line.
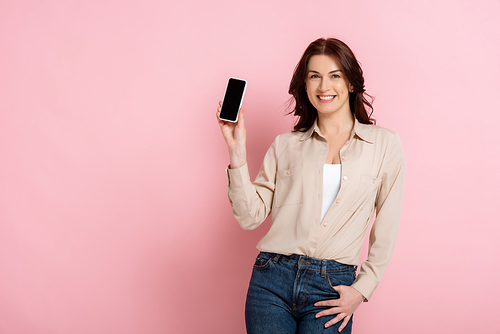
<point>323,85</point>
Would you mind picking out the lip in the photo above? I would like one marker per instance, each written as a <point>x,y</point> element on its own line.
<point>326,101</point>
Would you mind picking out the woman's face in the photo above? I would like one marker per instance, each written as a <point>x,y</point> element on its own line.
<point>326,85</point>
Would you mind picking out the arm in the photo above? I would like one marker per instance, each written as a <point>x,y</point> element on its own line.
<point>382,240</point>
<point>251,202</point>
<point>385,227</point>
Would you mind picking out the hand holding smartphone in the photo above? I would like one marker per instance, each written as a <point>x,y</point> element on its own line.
<point>233,98</point>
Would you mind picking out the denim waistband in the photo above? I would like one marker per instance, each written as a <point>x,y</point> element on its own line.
<point>307,262</point>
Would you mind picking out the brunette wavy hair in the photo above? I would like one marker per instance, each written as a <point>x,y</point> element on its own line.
<point>358,101</point>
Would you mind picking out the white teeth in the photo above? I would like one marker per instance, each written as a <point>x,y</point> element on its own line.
<point>326,98</point>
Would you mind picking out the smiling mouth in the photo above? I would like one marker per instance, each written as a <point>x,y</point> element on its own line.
<point>326,97</point>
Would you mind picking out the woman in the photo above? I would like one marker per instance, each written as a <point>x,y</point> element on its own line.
<point>321,183</point>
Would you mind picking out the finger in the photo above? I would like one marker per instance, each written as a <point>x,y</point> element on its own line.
<point>338,318</point>
<point>330,311</point>
<point>220,104</point>
<point>241,119</point>
<point>344,323</point>
<point>328,303</point>
<point>221,122</point>
<point>339,288</point>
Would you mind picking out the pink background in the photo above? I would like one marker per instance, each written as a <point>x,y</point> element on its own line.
<point>113,208</point>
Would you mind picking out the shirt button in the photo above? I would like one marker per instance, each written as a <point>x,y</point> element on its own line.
<point>325,224</point>
<point>345,177</point>
<point>344,157</point>
<point>288,172</point>
<point>373,181</point>
<point>337,201</point>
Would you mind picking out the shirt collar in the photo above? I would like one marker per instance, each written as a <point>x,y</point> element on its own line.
<point>362,131</point>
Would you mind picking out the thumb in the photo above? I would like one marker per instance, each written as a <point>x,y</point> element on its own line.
<point>339,289</point>
<point>241,119</point>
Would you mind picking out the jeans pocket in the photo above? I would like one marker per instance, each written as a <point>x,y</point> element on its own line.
<point>340,277</point>
<point>262,261</point>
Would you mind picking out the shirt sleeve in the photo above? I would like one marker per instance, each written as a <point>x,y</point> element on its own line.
<point>252,202</point>
<point>385,227</point>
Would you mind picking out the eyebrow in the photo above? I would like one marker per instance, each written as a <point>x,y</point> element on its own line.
<point>328,72</point>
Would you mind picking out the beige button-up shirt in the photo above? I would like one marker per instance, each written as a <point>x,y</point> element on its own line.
<point>289,186</point>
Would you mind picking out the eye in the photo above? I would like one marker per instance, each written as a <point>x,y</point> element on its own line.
<point>314,76</point>
<point>335,76</point>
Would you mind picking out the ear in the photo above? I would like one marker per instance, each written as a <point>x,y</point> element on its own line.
<point>351,88</point>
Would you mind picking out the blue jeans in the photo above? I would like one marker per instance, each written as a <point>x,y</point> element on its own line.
<point>283,290</point>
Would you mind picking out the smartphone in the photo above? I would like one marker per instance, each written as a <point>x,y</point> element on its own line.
<point>233,99</point>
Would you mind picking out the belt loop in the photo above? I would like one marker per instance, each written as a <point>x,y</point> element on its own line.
<point>276,258</point>
<point>323,268</point>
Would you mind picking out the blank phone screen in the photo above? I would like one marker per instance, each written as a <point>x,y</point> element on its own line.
<point>232,99</point>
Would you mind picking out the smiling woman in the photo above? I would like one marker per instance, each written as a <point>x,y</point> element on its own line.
<point>345,65</point>
<point>327,89</point>
<point>321,184</point>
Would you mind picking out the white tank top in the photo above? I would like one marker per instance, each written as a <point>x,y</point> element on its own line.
<point>331,186</point>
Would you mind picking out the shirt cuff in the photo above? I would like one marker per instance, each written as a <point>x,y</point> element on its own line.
<point>238,177</point>
<point>365,285</point>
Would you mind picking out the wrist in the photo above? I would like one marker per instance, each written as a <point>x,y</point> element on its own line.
<point>359,294</point>
<point>237,163</point>
<point>237,156</point>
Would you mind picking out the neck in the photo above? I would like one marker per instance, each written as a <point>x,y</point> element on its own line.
<point>335,124</point>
